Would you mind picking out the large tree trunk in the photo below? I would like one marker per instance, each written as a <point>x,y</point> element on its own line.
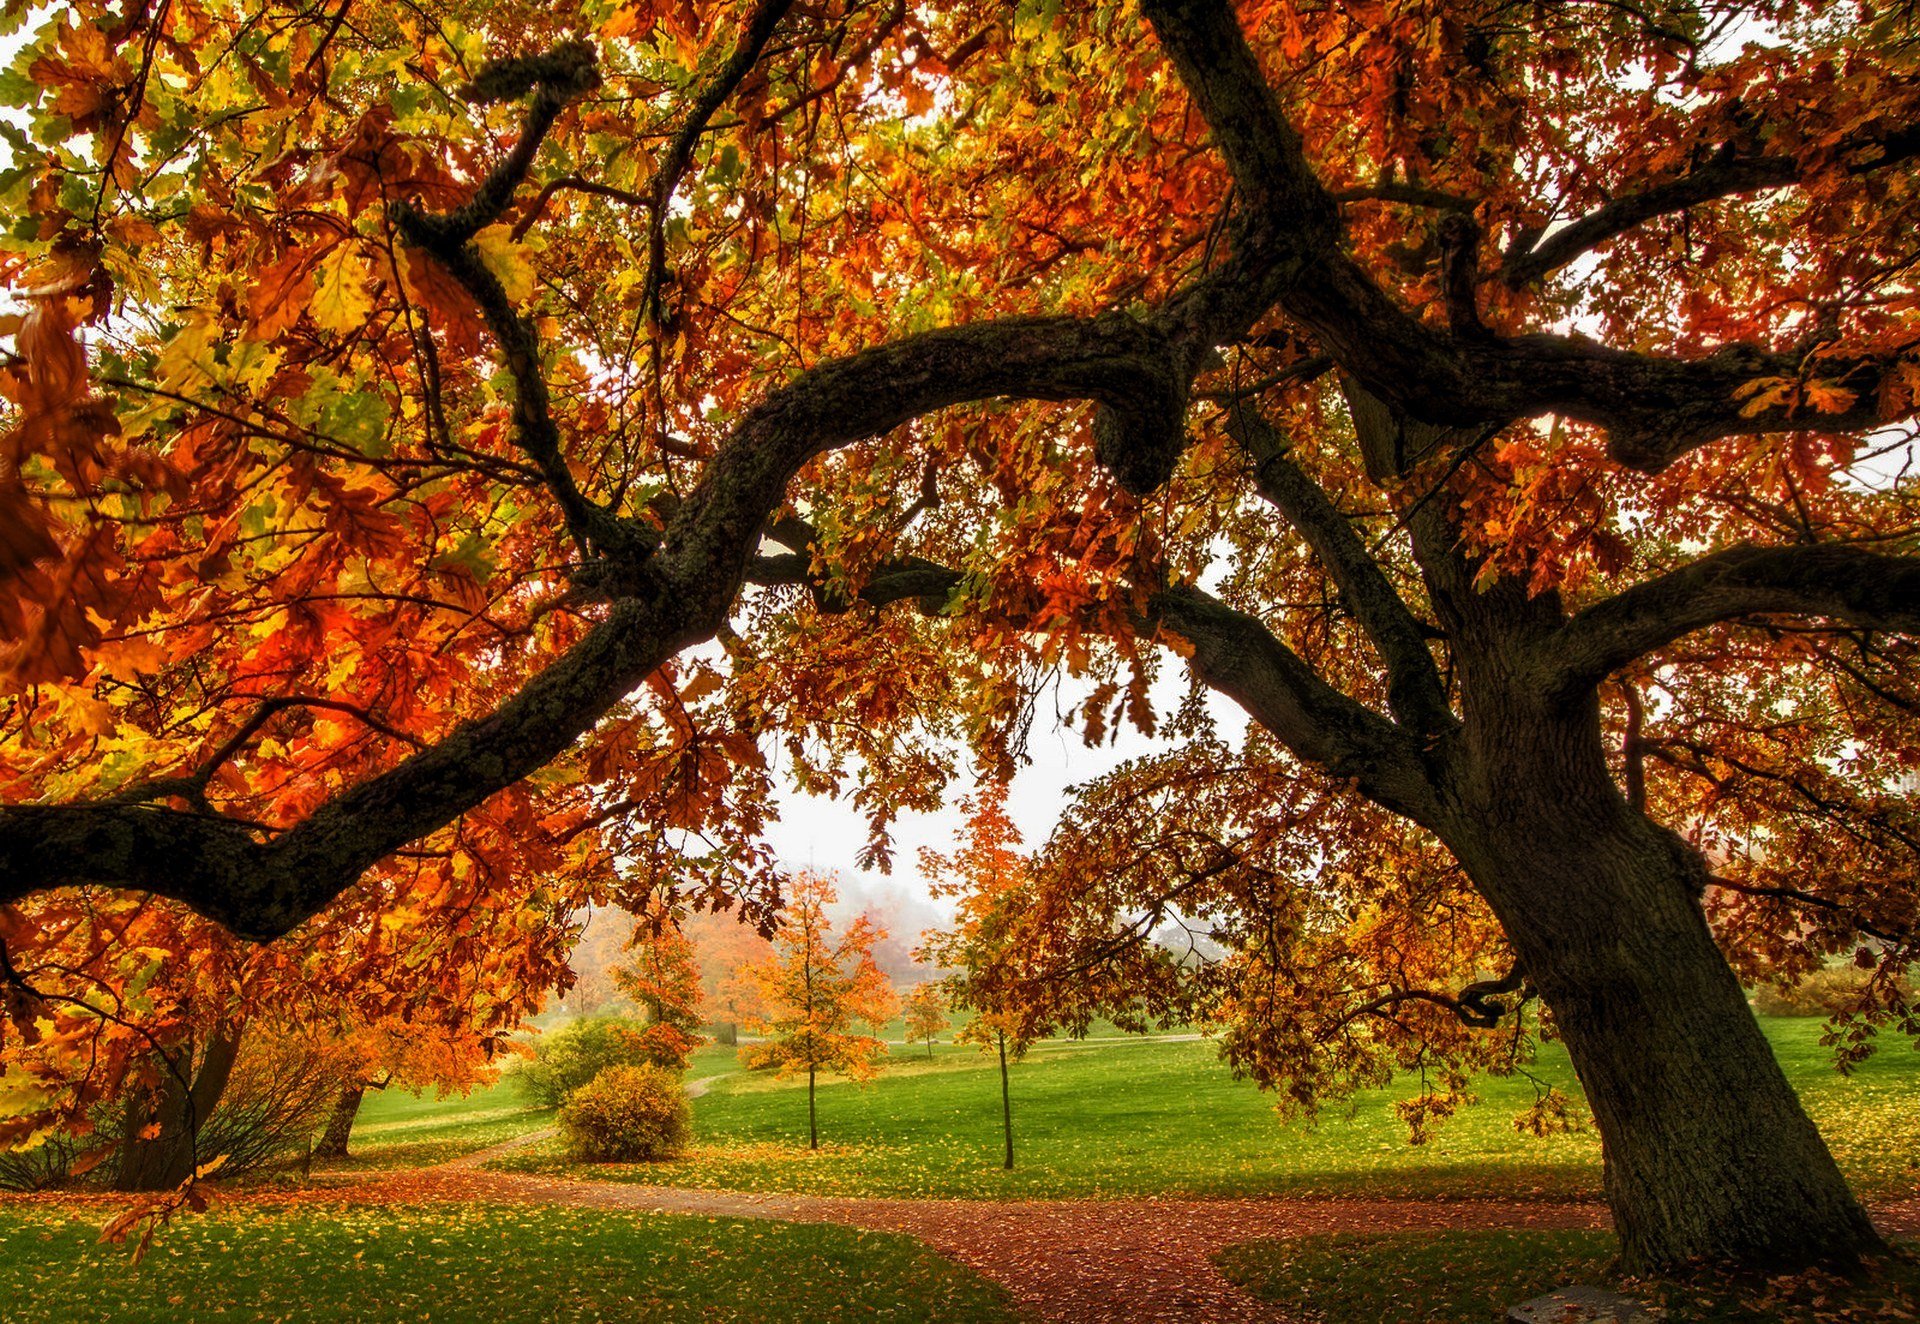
<point>167,1158</point>
<point>1709,1154</point>
<point>333,1140</point>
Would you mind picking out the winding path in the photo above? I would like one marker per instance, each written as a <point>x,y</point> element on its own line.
<point>1091,1261</point>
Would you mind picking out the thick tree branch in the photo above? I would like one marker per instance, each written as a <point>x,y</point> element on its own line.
<point>1237,655</point>
<point>1655,408</point>
<point>264,888</point>
<point>914,579</point>
<point>1843,583</point>
<point>1415,694</point>
<point>1729,173</point>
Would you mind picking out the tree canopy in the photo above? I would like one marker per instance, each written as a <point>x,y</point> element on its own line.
<point>453,448</point>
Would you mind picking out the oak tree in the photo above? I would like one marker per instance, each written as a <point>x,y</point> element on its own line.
<point>1502,403</point>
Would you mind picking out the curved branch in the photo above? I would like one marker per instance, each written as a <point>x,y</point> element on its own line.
<point>1727,174</point>
<point>1724,176</point>
<point>1237,655</point>
<point>1864,589</point>
<point>555,79</point>
<point>263,888</point>
<point>754,36</point>
<point>1655,408</point>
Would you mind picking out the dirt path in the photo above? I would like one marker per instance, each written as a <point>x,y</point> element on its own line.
<point>1097,1261</point>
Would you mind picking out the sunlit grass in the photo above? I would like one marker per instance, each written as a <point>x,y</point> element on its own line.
<point>517,1265</point>
<point>1132,1118</point>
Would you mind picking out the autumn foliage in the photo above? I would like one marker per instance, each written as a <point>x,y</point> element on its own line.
<point>453,455</point>
<point>626,1114</point>
<point>818,988</point>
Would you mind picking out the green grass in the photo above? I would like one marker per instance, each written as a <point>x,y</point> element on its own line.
<point>396,1129</point>
<point>1134,1118</point>
<point>475,1263</point>
<point>1473,1277</point>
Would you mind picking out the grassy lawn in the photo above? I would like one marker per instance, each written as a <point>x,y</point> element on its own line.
<point>396,1129</point>
<point>1136,1118</point>
<point>479,1263</point>
<point>1472,1277</point>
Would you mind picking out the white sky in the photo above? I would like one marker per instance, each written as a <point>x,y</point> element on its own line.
<point>826,834</point>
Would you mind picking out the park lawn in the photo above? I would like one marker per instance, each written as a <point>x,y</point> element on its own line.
<point>501,1265</point>
<point>1470,1277</point>
<point>397,1129</point>
<point>1133,1117</point>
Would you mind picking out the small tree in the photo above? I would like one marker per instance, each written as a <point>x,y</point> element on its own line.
<point>660,975</point>
<point>926,1015</point>
<point>816,988</point>
<point>985,874</point>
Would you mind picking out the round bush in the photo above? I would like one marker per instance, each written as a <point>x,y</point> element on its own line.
<point>625,1114</point>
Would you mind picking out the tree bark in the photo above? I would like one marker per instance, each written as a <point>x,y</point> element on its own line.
<point>1708,1152</point>
<point>813,1118</point>
<point>333,1140</point>
<point>169,1157</point>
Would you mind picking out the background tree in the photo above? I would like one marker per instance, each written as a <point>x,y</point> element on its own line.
<point>926,1014</point>
<point>989,879</point>
<point>661,977</point>
<point>725,946</point>
<point>816,988</point>
<point>1524,386</point>
<point>413,1055</point>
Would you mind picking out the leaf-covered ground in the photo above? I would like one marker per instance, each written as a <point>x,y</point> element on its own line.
<point>518,1265</point>
<point>1120,1117</point>
<point>1470,1277</point>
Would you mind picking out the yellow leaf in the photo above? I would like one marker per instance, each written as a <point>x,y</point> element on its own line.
<point>510,263</point>
<point>340,301</point>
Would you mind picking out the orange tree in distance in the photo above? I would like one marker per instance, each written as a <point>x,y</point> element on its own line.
<point>662,979</point>
<point>1503,404</point>
<point>815,988</point>
<point>725,946</point>
<point>991,882</point>
<point>409,1054</point>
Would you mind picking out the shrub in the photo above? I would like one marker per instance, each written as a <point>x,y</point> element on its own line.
<point>567,1059</point>
<point>624,1114</point>
<point>1824,992</point>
